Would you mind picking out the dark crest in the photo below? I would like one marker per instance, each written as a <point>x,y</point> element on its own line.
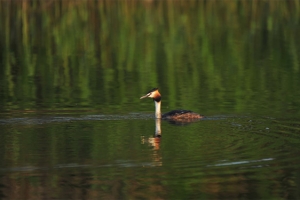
<point>154,89</point>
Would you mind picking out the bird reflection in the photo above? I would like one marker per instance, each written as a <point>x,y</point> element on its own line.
<point>154,140</point>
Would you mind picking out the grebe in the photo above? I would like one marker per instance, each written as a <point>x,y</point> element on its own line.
<point>172,115</point>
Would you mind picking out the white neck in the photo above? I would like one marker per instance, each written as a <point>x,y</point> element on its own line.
<point>157,110</point>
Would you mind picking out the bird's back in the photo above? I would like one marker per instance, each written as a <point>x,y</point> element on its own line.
<point>181,114</point>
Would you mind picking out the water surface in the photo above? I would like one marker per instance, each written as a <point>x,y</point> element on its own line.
<point>72,124</point>
<point>95,156</point>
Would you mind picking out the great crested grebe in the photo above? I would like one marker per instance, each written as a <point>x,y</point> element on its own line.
<point>172,115</point>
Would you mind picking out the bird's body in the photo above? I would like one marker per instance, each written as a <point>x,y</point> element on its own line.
<point>181,114</point>
<point>172,115</point>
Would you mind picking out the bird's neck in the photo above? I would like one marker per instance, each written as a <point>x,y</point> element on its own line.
<point>157,109</point>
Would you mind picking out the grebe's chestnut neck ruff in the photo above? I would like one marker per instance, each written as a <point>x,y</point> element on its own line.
<point>155,95</point>
<point>174,114</point>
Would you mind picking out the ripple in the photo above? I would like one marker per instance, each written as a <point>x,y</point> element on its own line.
<point>53,119</point>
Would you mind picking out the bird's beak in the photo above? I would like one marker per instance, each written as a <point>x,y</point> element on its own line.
<point>145,96</point>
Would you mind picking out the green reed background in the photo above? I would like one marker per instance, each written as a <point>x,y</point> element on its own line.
<point>106,54</point>
<point>64,54</point>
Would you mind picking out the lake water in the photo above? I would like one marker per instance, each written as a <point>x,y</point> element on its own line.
<point>72,124</point>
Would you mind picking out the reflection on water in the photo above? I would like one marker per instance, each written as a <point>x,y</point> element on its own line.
<point>51,119</point>
<point>213,57</point>
<point>126,156</point>
<point>154,141</point>
<point>70,72</point>
<point>241,162</point>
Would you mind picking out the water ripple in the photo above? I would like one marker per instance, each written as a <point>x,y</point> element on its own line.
<point>51,119</point>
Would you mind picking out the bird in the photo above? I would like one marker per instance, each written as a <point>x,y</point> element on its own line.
<point>172,115</point>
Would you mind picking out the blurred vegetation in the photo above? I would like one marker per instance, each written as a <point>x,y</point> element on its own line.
<point>72,159</point>
<point>91,54</point>
<point>213,56</point>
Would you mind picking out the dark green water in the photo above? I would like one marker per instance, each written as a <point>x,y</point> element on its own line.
<point>72,124</point>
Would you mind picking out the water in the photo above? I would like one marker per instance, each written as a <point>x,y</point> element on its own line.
<point>115,157</point>
<point>72,125</point>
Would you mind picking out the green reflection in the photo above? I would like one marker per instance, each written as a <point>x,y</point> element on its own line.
<point>216,158</point>
<point>212,57</point>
